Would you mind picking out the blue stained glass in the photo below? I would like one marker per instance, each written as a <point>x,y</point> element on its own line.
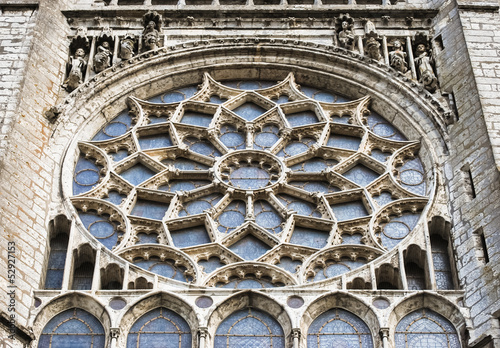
<point>384,198</point>
<point>298,205</point>
<point>322,95</point>
<point>249,178</point>
<point>72,328</point>
<point>165,268</point>
<point>150,209</point>
<point>202,146</point>
<point>314,165</point>
<point>381,127</point>
<point>153,119</point>
<point>119,155</point>
<point>82,276</point>
<point>57,260</point>
<point>211,264</point>
<point>231,137</point>
<point>249,111</point>
<point>145,238</point>
<point>380,155</point>
<point>361,175</point>
<point>196,118</point>
<point>344,142</point>
<point>315,186</point>
<point>267,217</point>
<point>398,228</point>
<point>86,175</point>
<point>187,237</point>
<point>185,164</point>
<point>339,328</point>
<point>309,237</point>
<point>302,118</point>
<point>160,328</point>
<point>288,264</point>
<point>155,141</point>
<point>183,185</point>
<point>411,176</point>
<point>101,228</point>
<point>118,126</point>
<point>232,217</point>
<point>266,138</point>
<point>137,174</point>
<point>217,100</point>
<point>425,328</point>
<point>175,96</point>
<point>249,328</point>
<point>349,210</point>
<point>441,262</point>
<point>297,146</point>
<point>201,204</point>
<point>249,248</point>
<point>115,197</point>
<point>352,239</point>
<point>281,100</point>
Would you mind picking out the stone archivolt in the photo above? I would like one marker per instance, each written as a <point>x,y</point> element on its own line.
<point>265,184</point>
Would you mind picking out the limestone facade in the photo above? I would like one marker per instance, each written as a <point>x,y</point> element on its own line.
<point>441,97</point>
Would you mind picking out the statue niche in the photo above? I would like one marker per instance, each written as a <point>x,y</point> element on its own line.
<point>343,27</point>
<point>77,64</point>
<point>151,35</point>
<point>103,57</point>
<point>424,64</point>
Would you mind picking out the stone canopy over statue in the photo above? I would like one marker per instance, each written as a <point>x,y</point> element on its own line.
<point>77,64</point>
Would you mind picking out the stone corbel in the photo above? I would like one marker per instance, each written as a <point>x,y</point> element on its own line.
<point>296,333</point>
<point>53,113</point>
<point>384,335</point>
<point>114,333</point>
<point>203,334</point>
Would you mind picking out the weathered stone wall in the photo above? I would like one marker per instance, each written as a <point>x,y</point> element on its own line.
<point>33,54</point>
<point>474,56</point>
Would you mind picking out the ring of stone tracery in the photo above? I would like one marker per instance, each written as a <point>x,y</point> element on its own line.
<point>249,184</point>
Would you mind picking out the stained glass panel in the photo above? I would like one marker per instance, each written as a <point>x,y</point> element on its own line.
<point>425,328</point>
<point>196,119</point>
<point>155,141</point>
<point>187,237</point>
<point>232,217</point>
<point>361,175</point>
<point>86,175</point>
<point>339,328</point>
<point>398,228</point>
<point>249,111</point>
<point>349,210</point>
<point>344,142</point>
<point>160,328</point>
<point>201,146</point>
<point>267,217</point>
<point>72,328</point>
<point>249,328</point>
<point>315,164</point>
<point>101,227</point>
<point>118,126</point>
<point>200,205</point>
<point>249,248</point>
<point>309,237</point>
<point>185,164</point>
<point>266,138</point>
<point>232,138</point>
<point>302,118</point>
<point>211,264</point>
<point>299,206</point>
<point>165,268</point>
<point>137,174</point>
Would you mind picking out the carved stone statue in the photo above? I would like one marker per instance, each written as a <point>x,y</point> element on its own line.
<point>76,68</point>
<point>102,59</point>
<point>372,49</point>
<point>346,37</point>
<point>127,46</point>
<point>424,68</point>
<point>397,58</point>
<point>151,36</point>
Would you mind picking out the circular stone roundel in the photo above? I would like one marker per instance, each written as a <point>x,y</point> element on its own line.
<point>249,184</point>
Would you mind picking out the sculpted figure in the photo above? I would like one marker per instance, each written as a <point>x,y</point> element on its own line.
<point>102,59</point>
<point>373,49</point>
<point>76,70</point>
<point>424,69</point>
<point>151,36</point>
<point>346,37</point>
<point>127,47</point>
<point>397,58</point>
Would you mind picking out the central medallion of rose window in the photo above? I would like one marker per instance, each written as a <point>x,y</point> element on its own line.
<point>249,170</point>
<point>249,184</point>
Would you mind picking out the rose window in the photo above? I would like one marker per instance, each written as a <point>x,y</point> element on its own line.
<point>249,184</point>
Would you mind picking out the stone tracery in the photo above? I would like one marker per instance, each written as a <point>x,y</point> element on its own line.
<point>252,175</point>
